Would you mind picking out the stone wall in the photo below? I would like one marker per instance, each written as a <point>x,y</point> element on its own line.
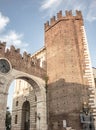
<point>17,110</point>
<point>63,41</point>
<point>69,70</point>
<point>65,101</point>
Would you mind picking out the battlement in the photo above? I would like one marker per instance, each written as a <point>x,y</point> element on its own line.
<point>13,49</point>
<point>15,54</point>
<point>2,46</point>
<point>59,17</point>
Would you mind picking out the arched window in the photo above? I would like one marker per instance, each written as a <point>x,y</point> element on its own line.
<point>35,117</point>
<point>35,98</point>
<point>16,119</point>
<point>16,103</point>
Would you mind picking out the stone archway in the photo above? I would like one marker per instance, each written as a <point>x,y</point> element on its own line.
<point>39,88</point>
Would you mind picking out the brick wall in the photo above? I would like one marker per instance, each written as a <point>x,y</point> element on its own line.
<point>67,87</point>
<point>22,62</point>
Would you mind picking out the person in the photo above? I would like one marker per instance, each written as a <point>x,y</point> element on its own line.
<point>86,118</point>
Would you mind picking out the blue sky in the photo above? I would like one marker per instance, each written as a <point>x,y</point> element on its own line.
<point>22,21</point>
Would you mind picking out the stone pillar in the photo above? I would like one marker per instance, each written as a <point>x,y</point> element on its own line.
<point>3,97</point>
<point>41,111</point>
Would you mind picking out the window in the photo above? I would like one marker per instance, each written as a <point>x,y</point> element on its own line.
<point>35,116</point>
<point>16,103</point>
<point>35,98</point>
<point>16,119</point>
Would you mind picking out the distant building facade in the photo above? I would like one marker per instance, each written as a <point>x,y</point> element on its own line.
<point>69,78</point>
<point>94,74</point>
<point>24,112</point>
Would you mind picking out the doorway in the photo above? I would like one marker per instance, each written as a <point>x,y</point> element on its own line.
<point>26,116</point>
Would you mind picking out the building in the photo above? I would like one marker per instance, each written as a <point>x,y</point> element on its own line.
<point>94,74</point>
<point>69,77</point>
<point>24,111</point>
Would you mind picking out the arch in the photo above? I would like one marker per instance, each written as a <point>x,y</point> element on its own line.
<point>37,82</point>
<point>39,89</point>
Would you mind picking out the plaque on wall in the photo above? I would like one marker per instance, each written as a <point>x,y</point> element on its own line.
<point>64,124</point>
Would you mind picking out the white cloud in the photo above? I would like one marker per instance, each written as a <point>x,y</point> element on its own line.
<point>88,7</point>
<point>91,16</point>
<point>50,3</point>
<point>3,22</point>
<point>78,5</point>
<point>50,6</point>
<point>11,37</point>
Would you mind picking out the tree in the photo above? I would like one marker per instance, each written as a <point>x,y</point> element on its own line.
<point>8,119</point>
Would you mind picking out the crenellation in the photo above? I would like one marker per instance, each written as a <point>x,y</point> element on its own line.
<point>20,59</point>
<point>68,13</point>
<point>12,48</point>
<point>78,16</point>
<point>46,25</point>
<point>7,53</point>
<point>2,43</point>
<point>32,61</point>
<point>17,50</point>
<point>78,13</point>
<point>52,20</point>
<point>2,47</point>
<point>26,56</point>
<point>7,50</point>
<point>12,51</point>
<point>59,15</point>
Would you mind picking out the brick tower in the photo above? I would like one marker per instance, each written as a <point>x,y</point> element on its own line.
<point>69,70</point>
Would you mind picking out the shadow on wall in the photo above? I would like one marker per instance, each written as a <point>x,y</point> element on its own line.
<point>65,102</point>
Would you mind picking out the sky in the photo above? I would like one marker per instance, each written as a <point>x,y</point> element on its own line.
<point>22,22</point>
